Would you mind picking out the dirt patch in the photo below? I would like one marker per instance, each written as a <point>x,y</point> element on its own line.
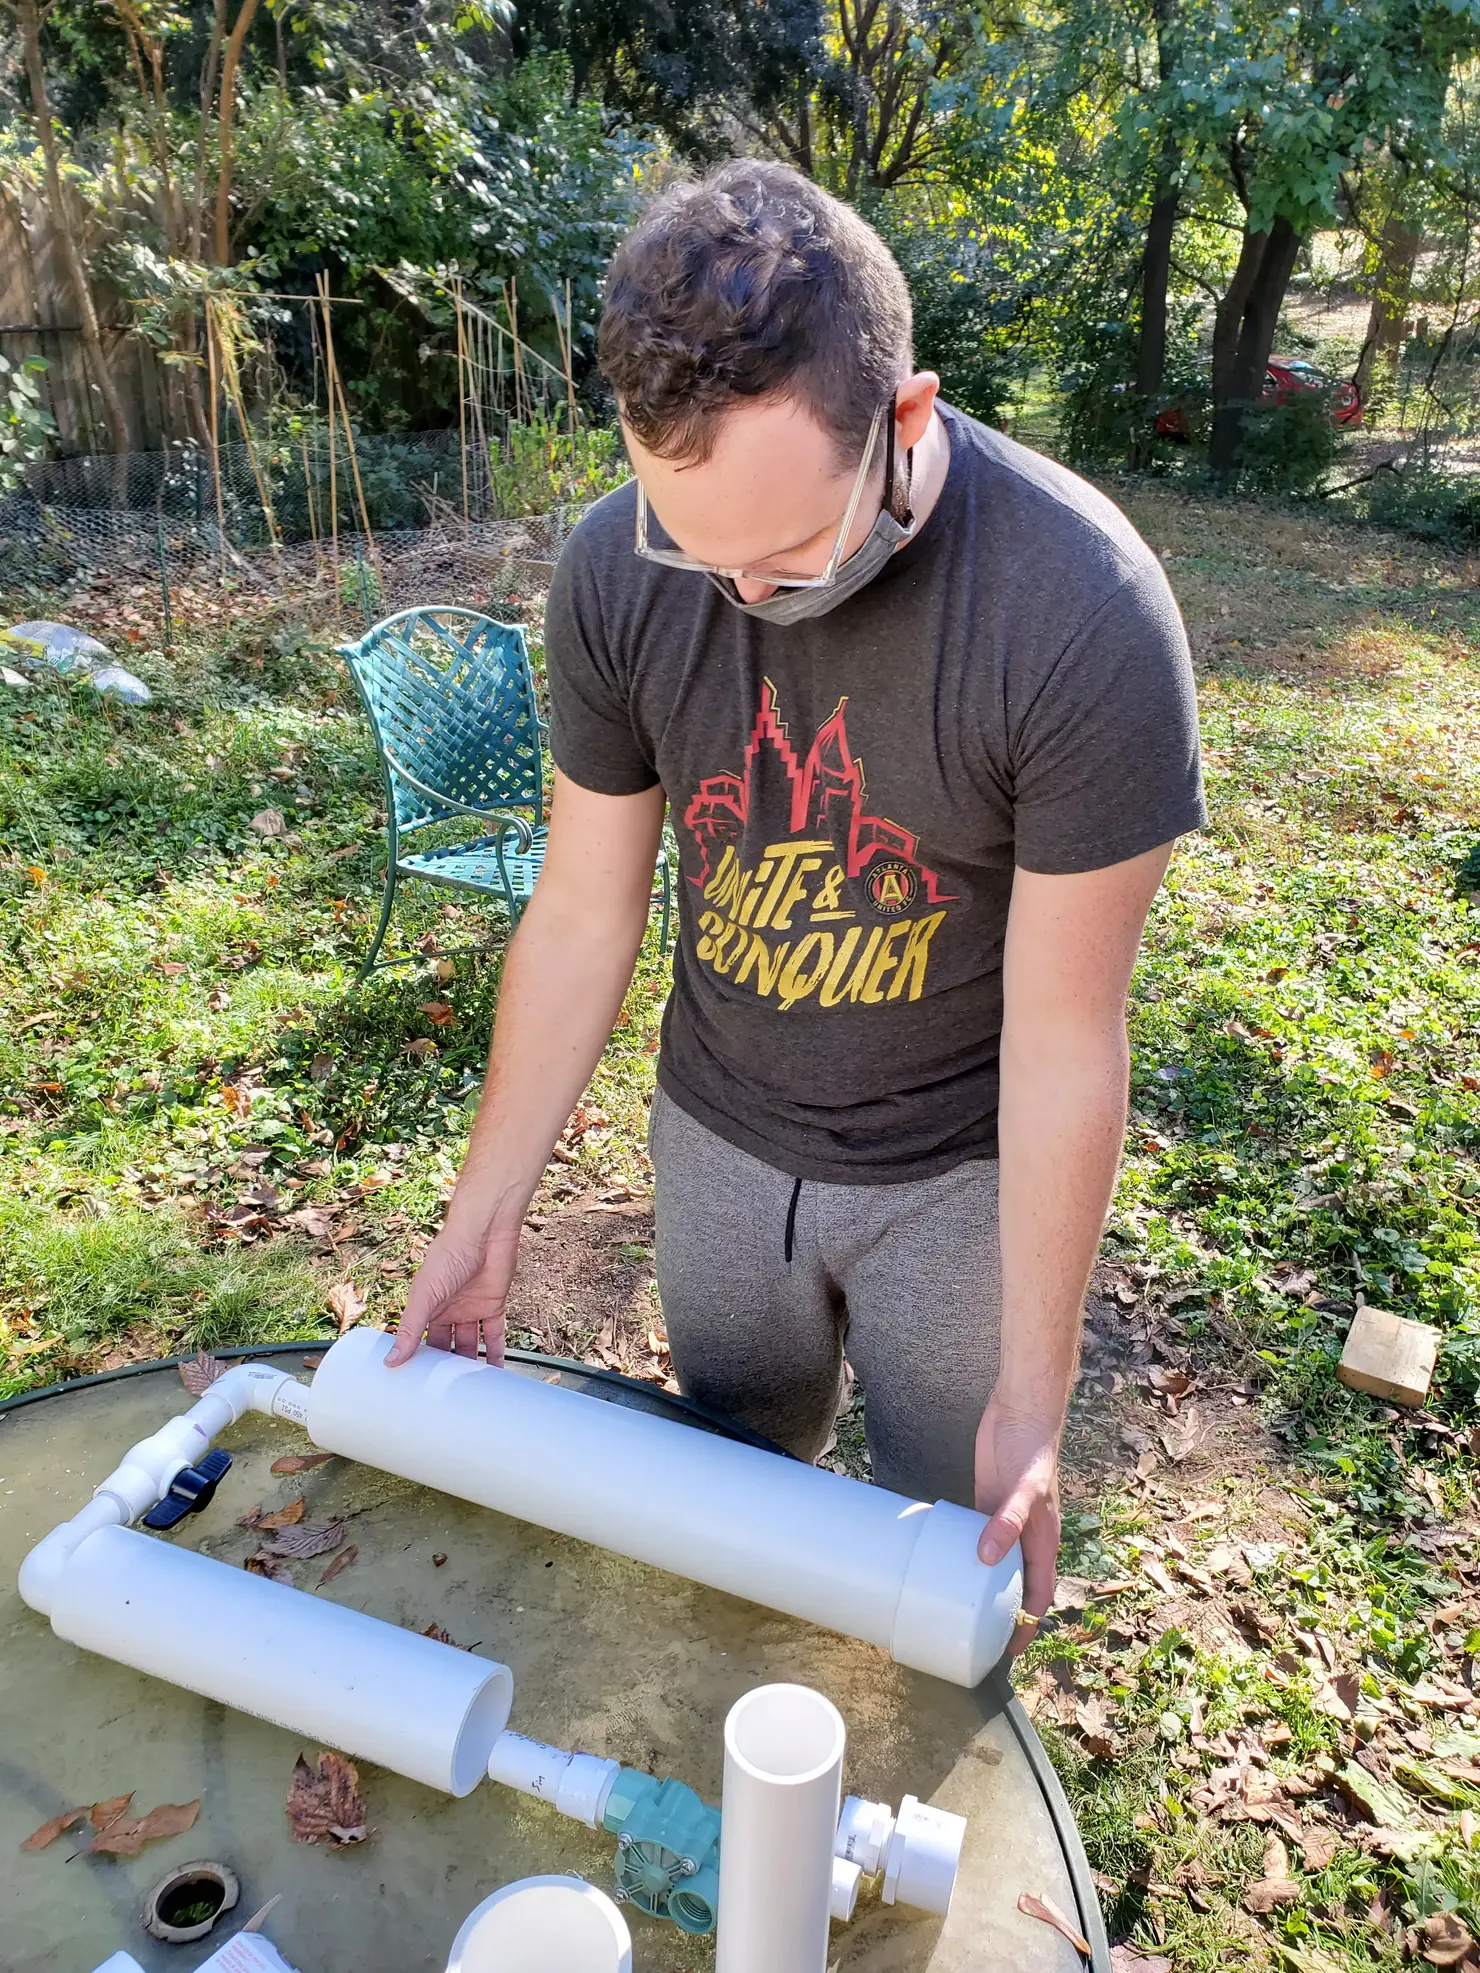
<point>584,1287</point>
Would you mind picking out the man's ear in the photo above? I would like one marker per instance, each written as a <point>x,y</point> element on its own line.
<point>913,403</point>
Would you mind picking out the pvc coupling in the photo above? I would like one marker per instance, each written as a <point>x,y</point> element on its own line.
<point>576,1784</point>
<point>919,1850</point>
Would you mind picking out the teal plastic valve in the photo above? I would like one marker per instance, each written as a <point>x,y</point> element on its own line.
<point>667,1849</point>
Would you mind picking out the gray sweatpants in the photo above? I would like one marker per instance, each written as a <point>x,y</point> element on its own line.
<point>765,1285</point>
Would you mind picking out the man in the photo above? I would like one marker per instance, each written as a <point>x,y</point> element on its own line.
<point>920,705</point>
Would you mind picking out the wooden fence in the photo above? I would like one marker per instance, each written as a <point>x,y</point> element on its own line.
<point>38,317</point>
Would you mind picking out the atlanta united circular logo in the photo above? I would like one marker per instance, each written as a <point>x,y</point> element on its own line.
<point>892,886</point>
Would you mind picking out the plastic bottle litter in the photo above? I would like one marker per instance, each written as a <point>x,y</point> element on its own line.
<point>60,645</point>
<point>122,684</point>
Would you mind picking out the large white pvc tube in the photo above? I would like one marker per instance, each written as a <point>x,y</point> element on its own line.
<point>424,1709</point>
<point>783,1788</point>
<point>854,1558</point>
<point>544,1925</point>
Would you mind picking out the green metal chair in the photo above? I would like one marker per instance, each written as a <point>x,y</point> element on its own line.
<point>451,702</point>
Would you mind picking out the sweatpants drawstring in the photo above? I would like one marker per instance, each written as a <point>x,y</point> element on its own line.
<point>791,1220</point>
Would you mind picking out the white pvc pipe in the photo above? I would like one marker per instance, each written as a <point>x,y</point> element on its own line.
<point>576,1784</point>
<point>424,1709</point>
<point>147,1470</point>
<point>851,1557</point>
<point>544,1925</point>
<point>783,1787</point>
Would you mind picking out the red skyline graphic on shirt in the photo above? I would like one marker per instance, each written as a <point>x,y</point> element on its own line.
<point>826,789</point>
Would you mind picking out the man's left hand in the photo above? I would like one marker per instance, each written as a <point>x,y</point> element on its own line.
<point>1017,1484</point>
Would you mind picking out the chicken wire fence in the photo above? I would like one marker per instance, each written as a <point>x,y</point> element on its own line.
<point>404,527</point>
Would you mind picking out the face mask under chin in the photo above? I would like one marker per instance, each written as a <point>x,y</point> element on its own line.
<point>798,605</point>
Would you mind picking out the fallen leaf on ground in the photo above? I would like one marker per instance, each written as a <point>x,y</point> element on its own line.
<point>1318,1847</point>
<point>319,1070</point>
<point>280,1517</point>
<point>268,822</point>
<point>1092,1717</point>
<point>347,1303</point>
<point>1276,1886</point>
<point>1444,1939</point>
<point>341,1561</point>
<point>127,1838</point>
<point>1337,1698</point>
<point>438,1560</point>
<point>300,1462</point>
<point>312,1362</point>
<point>299,1544</point>
<point>1051,1915</point>
<point>200,1373</point>
<point>441,1013</point>
<point>422,1049</point>
<point>1152,1569</point>
<point>325,1801</point>
<point>1125,1959</point>
<point>46,1835</point>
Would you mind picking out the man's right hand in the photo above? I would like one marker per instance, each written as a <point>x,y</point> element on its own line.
<point>458,1296</point>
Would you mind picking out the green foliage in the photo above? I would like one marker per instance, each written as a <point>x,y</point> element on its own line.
<point>26,426</point>
<point>539,466</point>
<point>1436,505</point>
<point>967,315</point>
<point>1289,448</point>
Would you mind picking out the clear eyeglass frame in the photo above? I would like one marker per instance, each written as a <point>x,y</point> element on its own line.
<point>675,558</point>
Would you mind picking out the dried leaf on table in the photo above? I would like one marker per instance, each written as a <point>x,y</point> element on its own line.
<point>126,1838</point>
<point>341,1561</point>
<point>347,1303</point>
<point>46,1835</point>
<point>300,1462</point>
<point>102,1815</point>
<point>267,1565</point>
<point>280,1517</point>
<point>1051,1915</point>
<point>200,1373</point>
<point>313,1538</point>
<point>325,1801</point>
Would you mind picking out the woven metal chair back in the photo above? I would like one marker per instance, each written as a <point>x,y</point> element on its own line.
<point>451,696</point>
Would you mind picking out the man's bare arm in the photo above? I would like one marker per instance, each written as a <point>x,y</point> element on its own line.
<point>567,970</point>
<point>1071,945</point>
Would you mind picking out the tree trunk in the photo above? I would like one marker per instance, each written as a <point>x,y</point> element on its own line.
<point>29,17</point>
<point>225,116</point>
<point>1156,266</point>
<point>1256,331</point>
<point>1229,315</point>
<point>1390,291</point>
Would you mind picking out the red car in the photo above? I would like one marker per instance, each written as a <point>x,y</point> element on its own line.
<point>1286,378</point>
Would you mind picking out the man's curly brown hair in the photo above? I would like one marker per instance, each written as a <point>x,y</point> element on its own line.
<point>752,282</point>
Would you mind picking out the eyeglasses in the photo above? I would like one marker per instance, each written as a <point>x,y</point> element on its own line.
<point>675,558</point>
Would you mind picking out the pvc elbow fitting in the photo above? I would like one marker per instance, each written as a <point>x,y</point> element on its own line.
<point>42,1569</point>
<point>846,1878</point>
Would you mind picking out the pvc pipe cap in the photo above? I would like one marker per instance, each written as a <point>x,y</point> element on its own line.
<point>924,1856</point>
<point>544,1925</point>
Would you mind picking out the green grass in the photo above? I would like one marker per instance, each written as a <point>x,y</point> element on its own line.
<point>177,1029</point>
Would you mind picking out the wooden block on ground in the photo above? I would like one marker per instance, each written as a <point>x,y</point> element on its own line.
<point>1389,1355</point>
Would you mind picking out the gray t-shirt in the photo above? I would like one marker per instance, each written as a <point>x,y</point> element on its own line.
<point>851,794</point>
